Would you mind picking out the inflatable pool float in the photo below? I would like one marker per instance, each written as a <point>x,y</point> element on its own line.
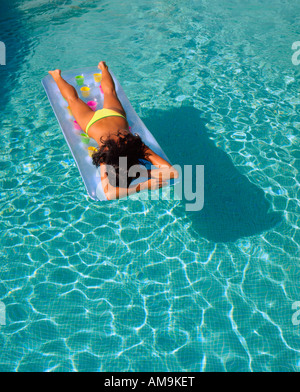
<point>87,84</point>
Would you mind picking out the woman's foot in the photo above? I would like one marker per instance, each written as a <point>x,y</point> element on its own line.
<point>55,74</point>
<point>102,66</point>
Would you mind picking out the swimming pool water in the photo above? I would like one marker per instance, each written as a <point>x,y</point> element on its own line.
<point>137,285</point>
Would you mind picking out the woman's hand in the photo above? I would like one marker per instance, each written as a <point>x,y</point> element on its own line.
<point>165,173</point>
<point>153,183</point>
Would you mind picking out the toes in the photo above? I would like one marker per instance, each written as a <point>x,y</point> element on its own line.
<point>55,73</point>
<point>102,65</point>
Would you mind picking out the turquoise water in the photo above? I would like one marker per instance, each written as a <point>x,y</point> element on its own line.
<point>137,285</point>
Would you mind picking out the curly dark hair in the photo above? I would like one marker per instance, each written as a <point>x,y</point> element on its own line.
<point>127,145</point>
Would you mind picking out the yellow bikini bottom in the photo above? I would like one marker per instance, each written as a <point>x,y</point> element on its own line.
<point>99,114</point>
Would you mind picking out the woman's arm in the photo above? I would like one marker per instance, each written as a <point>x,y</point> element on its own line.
<point>165,170</point>
<point>112,192</point>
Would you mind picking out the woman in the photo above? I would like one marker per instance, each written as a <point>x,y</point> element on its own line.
<point>110,129</point>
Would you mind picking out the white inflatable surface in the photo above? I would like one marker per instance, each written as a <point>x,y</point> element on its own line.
<point>89,173</point>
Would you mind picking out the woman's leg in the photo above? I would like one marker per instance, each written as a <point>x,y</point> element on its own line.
<point>111,100</point>
<point>81,111</point>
